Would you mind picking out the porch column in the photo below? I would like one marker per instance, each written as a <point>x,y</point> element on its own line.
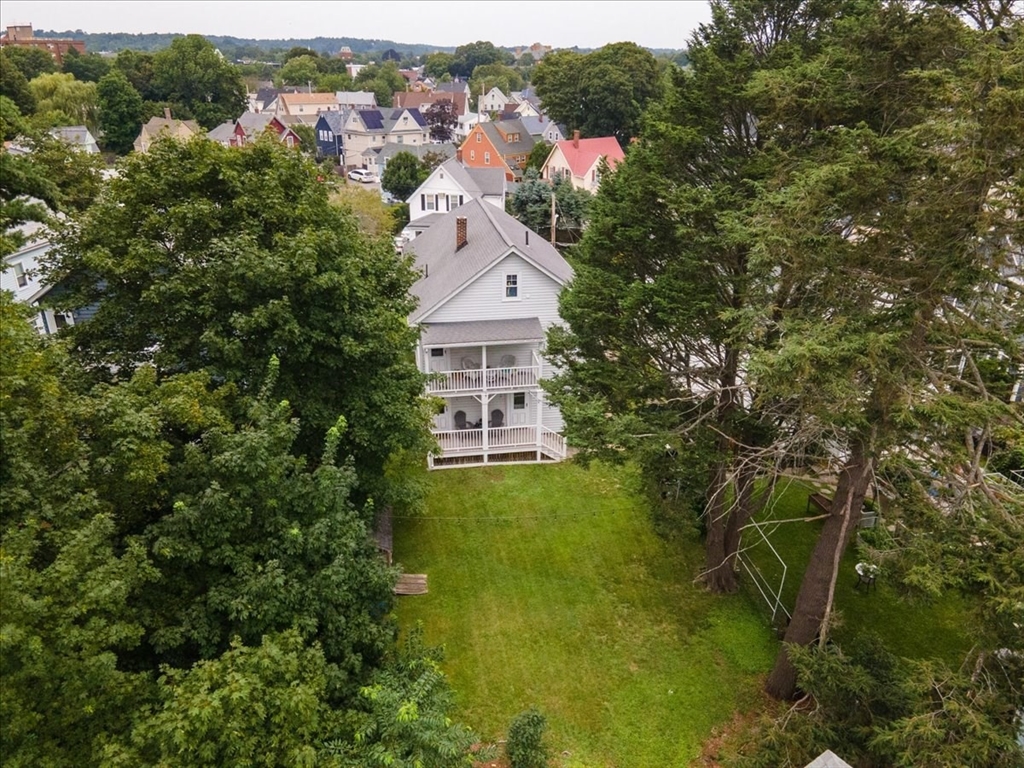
<point>485,402</point>
<point>540,419</point>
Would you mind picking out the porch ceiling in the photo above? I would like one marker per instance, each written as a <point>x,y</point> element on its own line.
<point>482,332</point>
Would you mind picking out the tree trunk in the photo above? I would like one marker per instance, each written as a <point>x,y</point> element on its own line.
<point>745,509</point>
<point>719,574</point>
<point>814,601</point>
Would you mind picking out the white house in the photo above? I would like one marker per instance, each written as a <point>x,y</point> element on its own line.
<point>447,187</point>
<point>488,292</point>
<point>20,276</point>
<point>492,101</point>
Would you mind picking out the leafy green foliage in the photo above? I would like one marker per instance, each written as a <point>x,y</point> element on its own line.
<point>383,80</point>
<point>501,76</point>
<point>602,93</point>
<point>138,68</point>
<point>31,62</point>
<point>14,85</point>
<point>407,720</point>
<point>438,64</point>
<point>403,174</point>
<point>192,74</point>
<point>51,177</point>
<point>179,588</point>
<point>299,70</point>
<point>120,108</point>
<point>87,68</point>
<point>525,746</point>
<point>472,55</point>
<point>253,705</point>
<point>208,258</point>
<point>63,100</point>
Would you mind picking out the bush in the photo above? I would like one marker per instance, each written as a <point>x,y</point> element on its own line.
<point>525,736</point>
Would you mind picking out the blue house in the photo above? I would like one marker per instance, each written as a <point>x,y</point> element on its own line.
<point>329,126</point>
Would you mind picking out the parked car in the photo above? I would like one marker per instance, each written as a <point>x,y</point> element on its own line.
<point>362,175</point>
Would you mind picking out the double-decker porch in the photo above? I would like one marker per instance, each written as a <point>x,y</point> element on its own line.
<point>488,373</point>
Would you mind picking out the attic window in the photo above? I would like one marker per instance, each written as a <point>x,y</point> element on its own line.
<point>512,286</point>
<point>479,138</point>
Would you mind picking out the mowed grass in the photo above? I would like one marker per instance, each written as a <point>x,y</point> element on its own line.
<point>549,588</point>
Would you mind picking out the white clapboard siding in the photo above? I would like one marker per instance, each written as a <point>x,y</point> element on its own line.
<point>484,298</point>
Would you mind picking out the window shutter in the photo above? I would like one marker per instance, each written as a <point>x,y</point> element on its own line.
<point>423,202</point>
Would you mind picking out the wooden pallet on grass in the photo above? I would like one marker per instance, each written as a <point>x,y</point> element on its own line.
<point>411,584</point>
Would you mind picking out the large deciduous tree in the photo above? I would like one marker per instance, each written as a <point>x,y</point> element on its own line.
<point>171,568</point>
<point>120,107</point>
<point>472,55</point>
<point>63,100</point>
<point>602,93</point>
<point>87,68</point>
<point>192,74</point>
<point>203,257</point>
<point>403,174</point>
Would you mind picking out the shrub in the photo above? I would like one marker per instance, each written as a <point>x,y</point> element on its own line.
<point>525,748</point>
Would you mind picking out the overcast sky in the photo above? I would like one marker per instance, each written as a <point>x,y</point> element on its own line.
<point>560,24</point>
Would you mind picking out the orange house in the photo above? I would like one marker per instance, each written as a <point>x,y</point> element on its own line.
<point>505,144</point>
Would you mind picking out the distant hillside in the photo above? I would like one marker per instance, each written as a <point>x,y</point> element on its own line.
<point>237,46</point>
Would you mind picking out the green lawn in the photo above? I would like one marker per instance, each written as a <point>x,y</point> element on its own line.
<point>549,587</point>
<point>935,629</point>
<point>578,608</point>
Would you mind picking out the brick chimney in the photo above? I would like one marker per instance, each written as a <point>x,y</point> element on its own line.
<point>576,139</point>
<point>461,236</point>
<point>167,112</point>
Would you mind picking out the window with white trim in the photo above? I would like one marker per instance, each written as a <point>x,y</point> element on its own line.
<point>472,154</point>
<point>479,138</point>
<point>487,158</point>
<point>518,401</point>
<point>512,286</point>
<point>20,276</point>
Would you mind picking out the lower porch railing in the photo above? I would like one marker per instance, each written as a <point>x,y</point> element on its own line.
<point>461,441</point>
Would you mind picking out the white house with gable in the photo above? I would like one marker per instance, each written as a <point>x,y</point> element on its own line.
<point>447,187</point>
<point>21,277</point>
<point>488,292</point>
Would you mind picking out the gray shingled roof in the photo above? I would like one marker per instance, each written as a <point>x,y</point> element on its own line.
<point>476,181</point>
<point>223,132</point>
<point>491,235</point>
<point>481,331</point>
<point>391,149</point>
<point>828,759</point>
<point>521,147</point>
<point>490,181</point>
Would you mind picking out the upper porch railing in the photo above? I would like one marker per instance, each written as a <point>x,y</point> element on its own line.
<point>451,382</point>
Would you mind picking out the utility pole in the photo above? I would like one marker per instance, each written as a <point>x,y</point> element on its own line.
<point>553,217</point>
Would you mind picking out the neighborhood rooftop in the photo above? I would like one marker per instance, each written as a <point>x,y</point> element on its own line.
<point>490,235</point>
